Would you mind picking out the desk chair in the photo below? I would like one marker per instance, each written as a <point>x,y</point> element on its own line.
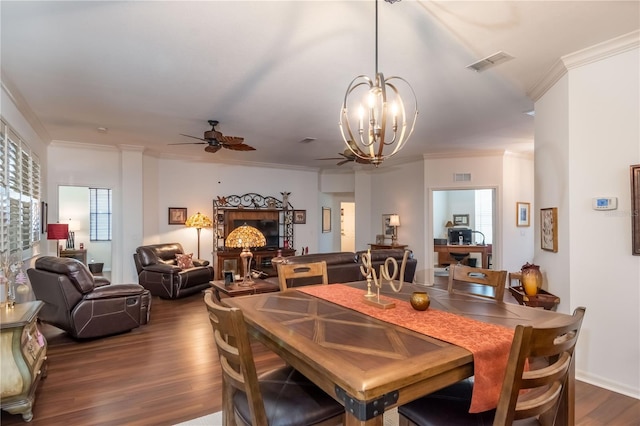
<point>473,277</point>
<point>549,351</point>
<point>281,397</point>
<point>297,274</point>
<point>459,257</point>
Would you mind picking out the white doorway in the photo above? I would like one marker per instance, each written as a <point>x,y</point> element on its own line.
<point>347,226</point>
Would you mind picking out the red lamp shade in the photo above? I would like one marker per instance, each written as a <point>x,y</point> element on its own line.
<point>57,231</point>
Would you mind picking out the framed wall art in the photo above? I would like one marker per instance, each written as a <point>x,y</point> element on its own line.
<point>44,217</point>
<point>387,230</point>
<point>461,219</point>
<point>522,214</point>
<point>300,217</point>
<point>549,229</point>
<point>635,209</point>
<point>177,215</point>
<point>326,219</point>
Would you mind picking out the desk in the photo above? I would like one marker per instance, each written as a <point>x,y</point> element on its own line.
<point>445,259</point>
<point>370,365</point>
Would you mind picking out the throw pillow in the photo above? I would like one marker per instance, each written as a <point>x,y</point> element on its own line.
<point>184,260</point>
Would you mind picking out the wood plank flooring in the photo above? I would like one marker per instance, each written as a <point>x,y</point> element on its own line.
<point>166,372</point>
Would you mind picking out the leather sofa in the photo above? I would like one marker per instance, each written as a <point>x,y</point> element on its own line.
<point>85,308</point>
<point>158,271</point>
<point>345,266</point>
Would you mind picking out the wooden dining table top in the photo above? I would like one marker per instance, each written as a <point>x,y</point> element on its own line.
<point>367,364</point>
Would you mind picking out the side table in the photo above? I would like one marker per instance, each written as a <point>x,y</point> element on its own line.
<point>232,290</point>
<point>24,354</point>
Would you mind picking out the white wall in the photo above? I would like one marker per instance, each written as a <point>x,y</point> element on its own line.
<point>587,136</point>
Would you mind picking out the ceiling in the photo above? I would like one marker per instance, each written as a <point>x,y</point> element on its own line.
<point>275,72</point>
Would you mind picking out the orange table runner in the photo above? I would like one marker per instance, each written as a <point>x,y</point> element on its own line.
<point>489,343</point>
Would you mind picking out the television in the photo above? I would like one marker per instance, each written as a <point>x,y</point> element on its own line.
<point>460,236</point>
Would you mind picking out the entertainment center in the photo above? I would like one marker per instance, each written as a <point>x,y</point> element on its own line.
<point>271,216</point>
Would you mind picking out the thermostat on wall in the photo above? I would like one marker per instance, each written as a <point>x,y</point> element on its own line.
<point>605,203</point>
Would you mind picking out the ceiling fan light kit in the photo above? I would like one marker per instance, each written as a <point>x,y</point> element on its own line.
<point>373,115</point>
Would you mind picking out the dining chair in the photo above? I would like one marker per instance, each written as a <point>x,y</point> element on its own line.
<point>485,283</point>
<point>531,394</point>
<point>297,274</point>
<point>280,397</point>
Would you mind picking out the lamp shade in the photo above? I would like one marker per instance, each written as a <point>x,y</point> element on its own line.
<point>245,236</point>
<point>198,220</point>
<point>57,231</point>
<point>394,220</point>
<point>449,224</point>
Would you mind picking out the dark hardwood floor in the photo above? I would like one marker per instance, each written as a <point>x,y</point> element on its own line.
<point>165,373</point>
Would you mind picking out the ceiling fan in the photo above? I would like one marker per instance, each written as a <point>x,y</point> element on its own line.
<point>217,140</point>
<point>348,156</point>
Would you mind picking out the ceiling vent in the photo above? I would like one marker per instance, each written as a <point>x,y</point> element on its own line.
<point>462,177</point>
<point>490,61</point>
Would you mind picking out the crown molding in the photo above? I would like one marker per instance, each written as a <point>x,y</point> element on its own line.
<point>463,154</point>
<point>583,57</point>
<point>23,107</point>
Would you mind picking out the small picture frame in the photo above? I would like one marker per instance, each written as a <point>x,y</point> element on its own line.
<point>299,217</point>
<point>387,230</point>
<point>522,214</point>
<point>549,229</point>
<point>326,219</point>
<point>228,277</point>
<point>461,220</point>
<point>177,215</point>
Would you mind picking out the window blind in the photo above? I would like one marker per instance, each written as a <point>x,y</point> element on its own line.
<point>100,214</point>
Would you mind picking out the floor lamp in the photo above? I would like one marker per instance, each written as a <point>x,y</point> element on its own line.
<point>57,231</point>
<point>198,221</point>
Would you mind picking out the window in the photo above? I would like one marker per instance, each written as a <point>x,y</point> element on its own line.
<point>100,214</point>
<point>484,214</point>
<point>19,192</point>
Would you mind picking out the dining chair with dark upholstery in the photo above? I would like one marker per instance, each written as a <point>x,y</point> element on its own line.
<point>280,397</point>
<point>297,274</point>
<point>477,281</point>
<point>530,394</point>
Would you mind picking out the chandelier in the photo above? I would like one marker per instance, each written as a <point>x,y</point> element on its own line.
<point>376,109</point>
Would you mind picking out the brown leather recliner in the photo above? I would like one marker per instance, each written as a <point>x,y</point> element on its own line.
<point>84,308</point>
<point>159,273</point>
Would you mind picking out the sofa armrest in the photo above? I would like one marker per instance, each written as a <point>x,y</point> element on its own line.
<point>100,281</point>
<point>163,268</point>
<point>114,290</point>
<point>200,262</point>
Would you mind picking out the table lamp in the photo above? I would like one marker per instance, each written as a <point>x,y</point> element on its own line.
<point>57,231</point>
<point>394,220</point>
<point>244,237</point>
<point>198,221</point>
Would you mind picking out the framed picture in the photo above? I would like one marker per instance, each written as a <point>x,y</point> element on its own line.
<point>549,229</point>
<point>177,215</point>
<point>326,219</point>
<point>522,213</point>
<point>300,217</point>
<point>635,209</point>
<point>387,230</point>
<point>461,219</point>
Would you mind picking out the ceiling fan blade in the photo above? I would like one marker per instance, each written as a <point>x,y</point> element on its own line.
<point>231,140</point>
<point>213,148</point>
<point>329,158</point>
<point>239,147</point>
<point>194,137</point>
<point>340,163</point>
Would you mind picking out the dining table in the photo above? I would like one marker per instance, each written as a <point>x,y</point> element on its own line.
<point>369,361</point>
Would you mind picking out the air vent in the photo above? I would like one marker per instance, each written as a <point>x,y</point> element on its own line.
<point>490,61</point>
<point>462,177</point>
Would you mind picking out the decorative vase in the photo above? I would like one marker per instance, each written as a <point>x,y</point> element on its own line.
<point>420,300</point>
<point>531,279</point>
